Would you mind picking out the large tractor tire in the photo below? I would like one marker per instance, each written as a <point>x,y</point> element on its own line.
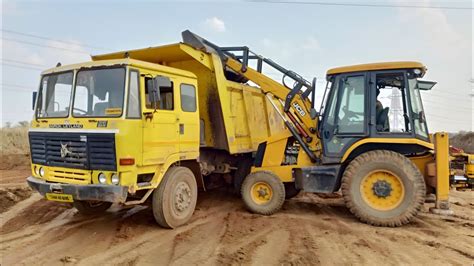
<point>263,192</point>
<point>91,207</point>
<point>383,188</point>
<point>175,198</point>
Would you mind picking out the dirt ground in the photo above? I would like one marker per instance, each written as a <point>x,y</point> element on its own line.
<point>309,230</point>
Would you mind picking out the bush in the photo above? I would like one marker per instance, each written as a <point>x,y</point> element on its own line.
<point>463,140</point>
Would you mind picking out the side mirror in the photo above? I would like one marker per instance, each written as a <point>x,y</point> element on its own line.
<point>154,93</point>
<point>35,94</point>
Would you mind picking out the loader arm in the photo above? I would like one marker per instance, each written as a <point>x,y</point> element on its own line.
<point>298,110</point>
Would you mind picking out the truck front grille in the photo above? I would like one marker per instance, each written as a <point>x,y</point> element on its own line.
<point>74,150</point>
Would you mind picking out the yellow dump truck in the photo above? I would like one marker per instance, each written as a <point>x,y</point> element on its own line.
<point>119,127</point>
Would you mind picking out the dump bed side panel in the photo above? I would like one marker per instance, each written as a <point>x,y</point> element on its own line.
<point>253,117</point>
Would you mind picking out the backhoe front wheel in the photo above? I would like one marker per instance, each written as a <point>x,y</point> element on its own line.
<point>383,188</point>
<point>263,192</point>
<point>175,198</point>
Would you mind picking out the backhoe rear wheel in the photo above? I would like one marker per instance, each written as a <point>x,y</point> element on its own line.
<point>175,198</point>
<point>263,192</point>
<point>383,188</point>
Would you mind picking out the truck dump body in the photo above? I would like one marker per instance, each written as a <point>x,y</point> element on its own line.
<point>234,116</point>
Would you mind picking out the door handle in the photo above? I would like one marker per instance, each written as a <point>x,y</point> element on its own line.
<point>326,134</point>
<point>181,129</point>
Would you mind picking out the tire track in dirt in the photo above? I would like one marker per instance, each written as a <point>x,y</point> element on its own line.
<point>308,231</point>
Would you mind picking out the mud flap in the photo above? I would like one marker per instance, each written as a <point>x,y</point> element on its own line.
<point>320,179</point>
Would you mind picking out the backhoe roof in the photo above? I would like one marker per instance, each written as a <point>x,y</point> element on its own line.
<point>377,66</point>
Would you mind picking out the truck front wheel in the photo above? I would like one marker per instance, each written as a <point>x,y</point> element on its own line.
<point>91,207</point>
<point>175,198</point>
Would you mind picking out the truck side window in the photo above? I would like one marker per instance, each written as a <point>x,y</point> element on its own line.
<point>188,98</point>
<point>166,95</point>
<point>133,106</point>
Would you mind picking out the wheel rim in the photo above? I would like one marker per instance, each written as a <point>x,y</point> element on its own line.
<point>382,190</point>
<point>261,193</point>
<point>182,198</point>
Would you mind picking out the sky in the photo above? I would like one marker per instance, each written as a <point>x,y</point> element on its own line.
<point>307,38</point>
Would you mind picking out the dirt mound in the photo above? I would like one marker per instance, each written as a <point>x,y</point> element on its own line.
<point>463,140</point>
<point>11,196</point>
<point>14,161</point>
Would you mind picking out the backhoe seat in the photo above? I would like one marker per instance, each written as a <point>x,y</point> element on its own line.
<point>382,124</point>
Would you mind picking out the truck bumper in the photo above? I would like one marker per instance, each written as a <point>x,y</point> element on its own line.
<point>109,193</point>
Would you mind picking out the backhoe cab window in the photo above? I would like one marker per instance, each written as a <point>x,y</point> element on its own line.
<point>419,120</point>
<point>166,96</point>
<point>55,95</point>
<point>391,104</point>
<point>351,117</point>
<point>99,93</point>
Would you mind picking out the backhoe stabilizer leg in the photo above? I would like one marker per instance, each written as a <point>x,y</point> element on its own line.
<point>441,141</point>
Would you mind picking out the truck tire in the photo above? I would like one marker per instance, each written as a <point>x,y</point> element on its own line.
<point>290,190</point>
<point>383,188</point>
<point>175,198</point>
<point>91,207</point>
<point>263,192</point>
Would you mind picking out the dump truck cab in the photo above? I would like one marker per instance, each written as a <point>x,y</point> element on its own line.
<point>86,115</point>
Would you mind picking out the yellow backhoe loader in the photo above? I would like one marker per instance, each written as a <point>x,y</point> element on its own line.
<point>370,139</point>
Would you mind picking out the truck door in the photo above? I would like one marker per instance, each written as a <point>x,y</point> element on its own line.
<point>345,120</point>
<point>188,119</point>
<point>160,133</point>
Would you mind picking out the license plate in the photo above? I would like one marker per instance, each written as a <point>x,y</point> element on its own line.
<point>59,197</point>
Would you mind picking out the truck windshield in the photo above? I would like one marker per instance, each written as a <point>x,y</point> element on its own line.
<point>417,109</point>
<point>99,92</point>
<point>55,95</point>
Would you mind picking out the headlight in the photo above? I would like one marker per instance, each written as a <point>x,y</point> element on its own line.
<point>102,178</point>
<point>41,171</point>
<point>472,161</point>
<point>115,179</point>
<point>35,171</point>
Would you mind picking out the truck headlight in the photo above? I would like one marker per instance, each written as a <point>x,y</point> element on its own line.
<point>102,178</point>
<point>41,171</point>
<point>115,179</point>
<point>472,161</point>
<point>35,171</point>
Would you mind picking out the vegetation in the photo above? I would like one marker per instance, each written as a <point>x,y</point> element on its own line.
<point>15,138</point>
<point>463,140</point>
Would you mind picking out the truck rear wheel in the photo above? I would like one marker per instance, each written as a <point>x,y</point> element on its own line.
<point>263,192</point>
<point>91,207</point>
<point>383,188</point>
<point>175,198</point>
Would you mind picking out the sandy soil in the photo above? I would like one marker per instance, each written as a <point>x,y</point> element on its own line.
<point>309,230</point>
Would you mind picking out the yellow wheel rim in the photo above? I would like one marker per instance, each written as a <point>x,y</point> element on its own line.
<point>261,193</point>
<point>382,190</point>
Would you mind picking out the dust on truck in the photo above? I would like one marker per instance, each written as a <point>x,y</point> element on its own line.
<point>145,123</point>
